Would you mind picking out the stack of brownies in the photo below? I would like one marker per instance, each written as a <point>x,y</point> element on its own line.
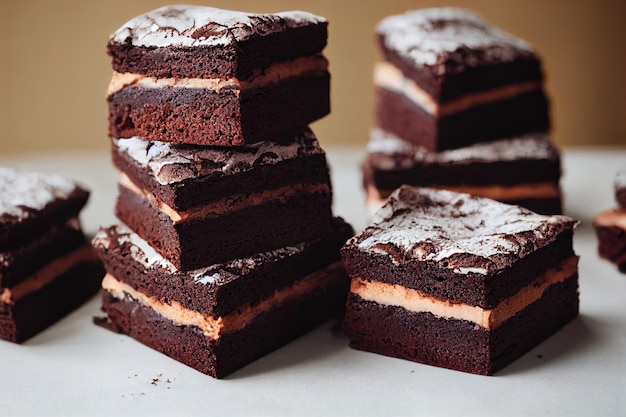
<point>460,106</point>
<point>227,247</point>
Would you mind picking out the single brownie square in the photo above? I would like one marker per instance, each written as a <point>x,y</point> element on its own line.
<point>220,318</point>
<point>523,170</point>
<point>201,75</point>
<point>610,227</point>
<point>47,268</point>
<point>459,281</point>
<point>200,205</point>
<point>449,79</point>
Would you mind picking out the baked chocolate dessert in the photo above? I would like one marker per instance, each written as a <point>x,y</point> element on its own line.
<point>201,75</point>
<point>201,205</point>
<point>449,79</point>
<point>523,170</point>
<point>459,281</point>
<point>610,227</point>
<point>220,318</point>
<point>47,267</point>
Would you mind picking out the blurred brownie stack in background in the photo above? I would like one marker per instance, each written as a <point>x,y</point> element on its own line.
<point>460,106</point>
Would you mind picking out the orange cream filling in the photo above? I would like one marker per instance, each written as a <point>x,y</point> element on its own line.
<point>271,75</point>
<point>612,218</point>
<point>213,327</point>
<point>47,274</point>
<point>417,302</point>
<point>227,204</point>
<point>388,76</point>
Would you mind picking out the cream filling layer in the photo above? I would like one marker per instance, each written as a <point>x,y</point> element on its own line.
<point>272,75</point>
<point>227,204</point>
<point>495,192</point>
<point>417,302</point>
<point>389,77</point>
<point>213,327</point>
<point>47,274</point>
<point>612,218</point>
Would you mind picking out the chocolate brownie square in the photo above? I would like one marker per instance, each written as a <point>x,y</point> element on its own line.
<point>47,268</point>
<point>449,79</point>
<point>200,205</point>
<point>220,318</point>
<point>610,226</point>
<point>207,76</point>
<point>523,170</point>
<point>459,281</point>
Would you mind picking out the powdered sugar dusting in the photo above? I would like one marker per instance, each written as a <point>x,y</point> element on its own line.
<point>458,231</point>
<point>531,146</point>
<point>170,163</point>
<point>187,25</point>
<point>427,36</point>
<point>217,274</point>
<point>22,191</point>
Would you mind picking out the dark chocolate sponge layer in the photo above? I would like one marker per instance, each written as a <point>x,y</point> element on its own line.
<point>458,344</point>
<point>214,42</point>
<point>229,117</point>
<point>38,310</point>
<point>527,112</point>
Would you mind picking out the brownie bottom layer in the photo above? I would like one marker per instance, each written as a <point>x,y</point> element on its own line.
<point>612,245</point>
<point>500,119</point>
<point>458,344</point>
<point>39,309</point>
<point>221,357</point>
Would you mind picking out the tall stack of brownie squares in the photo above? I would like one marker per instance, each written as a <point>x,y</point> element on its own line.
<point>227,247</point>
<point>460,106</point>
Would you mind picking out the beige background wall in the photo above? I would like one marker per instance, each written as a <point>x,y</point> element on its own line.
<point>54,70</point>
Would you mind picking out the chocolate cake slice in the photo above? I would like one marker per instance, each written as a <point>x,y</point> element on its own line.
<point>47,268</point>
<point>458,281</point>
<point>220,318</point>
<point>449,79</point>
<point>523,170</point>
<point>201,75</point>
<point>201,205</point>
<point>610,227</point>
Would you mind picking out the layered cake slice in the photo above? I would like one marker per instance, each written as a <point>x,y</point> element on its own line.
<point>448,79</point>
<point>458,281</point>
<point>222,317</point>
<point>201,205</point>
<point>47,267</point>
<point>610,227</point>
<point>523,170</point>
<point>200,75</point>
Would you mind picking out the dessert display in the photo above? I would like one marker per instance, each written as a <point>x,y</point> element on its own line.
<point>451,86</point>
<point>47,267</point>
<point>206,76</point>
<point>227,247</point>
<point>523,170</point>
<point>610,226</point>
<point>459,281</point>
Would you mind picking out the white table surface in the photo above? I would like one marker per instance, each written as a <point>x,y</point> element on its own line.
<point>77,368</point>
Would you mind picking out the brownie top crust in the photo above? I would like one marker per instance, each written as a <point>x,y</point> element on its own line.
<point>458,232</point>
<point>171,163</point>
<point>191,26</point>
<point>23,194</point>
<point>427,37</point>
<point>391,152</point>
